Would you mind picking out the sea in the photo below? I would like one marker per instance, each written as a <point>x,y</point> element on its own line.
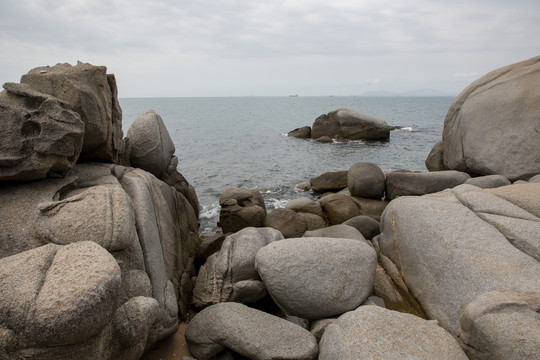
<point>226,142</point>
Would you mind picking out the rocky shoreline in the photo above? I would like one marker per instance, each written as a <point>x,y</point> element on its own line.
<point>101,257</point>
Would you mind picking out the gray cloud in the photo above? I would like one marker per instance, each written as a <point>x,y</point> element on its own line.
<point>240,47</point>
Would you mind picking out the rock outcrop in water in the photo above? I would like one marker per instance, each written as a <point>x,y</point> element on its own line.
<point>344,124</point>
<point>96,258</point>
<point>493,126</point>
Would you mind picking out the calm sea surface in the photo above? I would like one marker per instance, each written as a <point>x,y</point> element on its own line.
<point>241,141</point>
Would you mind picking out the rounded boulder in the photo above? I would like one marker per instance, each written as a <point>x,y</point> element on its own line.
<point>315,278</point>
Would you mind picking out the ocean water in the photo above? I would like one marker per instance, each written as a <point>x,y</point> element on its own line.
<point>227,142</point>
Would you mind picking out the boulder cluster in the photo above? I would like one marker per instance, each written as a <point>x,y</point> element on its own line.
<point>427,265</point>
<point>98,232</point>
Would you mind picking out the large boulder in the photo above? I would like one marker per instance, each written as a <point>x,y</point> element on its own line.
<point>366,180</point>
<point>458,244</point>
<point>151,145</point>
<point>241,208</point>
<point>229,274</point>
<point>314,278</point>
<point>40,134</point>
<point>248,332</point>
<point>501,325</point>
<point>288,222</point>
<point>492,126</point>
<point>350,124</point>
<point>401,183</point>
<point>368,226</point>
<point>145,227</point>
<point>371,332</point>
<point>329,181</point>
<point>92,93</point>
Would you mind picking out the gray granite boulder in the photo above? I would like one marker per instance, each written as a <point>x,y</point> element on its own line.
<point>40,134</point>
<point>314,278</point>
<point>455,245</point>
<point>146,227</point>
<point>350,124</point>
<point>492,125</point>
<point>336,231</point>
<point>434,161</point>
<point>241,208</point>
<point>92,93</point>
<point>329,181</point>
<point>249,332</point>
<point>501,325</point>
<point>366,180</point>
<point>371,332</point>
<point>488,181</point>
<point>339,208</point>
<point>402,183</point>
<point>230,274</point>
<point>151,146</point>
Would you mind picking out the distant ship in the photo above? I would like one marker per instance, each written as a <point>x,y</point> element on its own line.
<point>295,95</point>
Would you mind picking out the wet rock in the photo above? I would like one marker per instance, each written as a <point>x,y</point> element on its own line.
<point>241,208</point>
<point>350,124</point>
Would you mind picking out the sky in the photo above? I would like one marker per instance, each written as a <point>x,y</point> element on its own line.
<point>169,48</point>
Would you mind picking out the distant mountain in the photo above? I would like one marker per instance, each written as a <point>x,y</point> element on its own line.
<point>417,92</point>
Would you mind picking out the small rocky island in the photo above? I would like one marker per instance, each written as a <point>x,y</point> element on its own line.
<point>100,256</point>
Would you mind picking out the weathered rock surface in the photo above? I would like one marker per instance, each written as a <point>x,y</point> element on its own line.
<point>371,332</point>
<point>402,183</point>
<point>337,231</point>
<point>492,126</point>
<point>40,134</point>
<point>288,222</point>
<point>230,275</point>
<point>350,124</point>
<point>149,228</point>
<point>339,208</point>
<point>241,208</point>
<point>92,93</point>
<point>301,133</point>
<point>488,181</point>
<point>249,332</point>
<point>501,325</point>
<point>434,161</point>
<point>368,226</point>
<point>370,207</point>
<point>152,148</point>
<point>329,181</point>
<point>314,278</point>
<point>461,243</point>
<point>366,180</point>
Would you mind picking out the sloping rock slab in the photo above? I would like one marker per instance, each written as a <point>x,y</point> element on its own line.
<point>458,244</point>
<point>249,332</point>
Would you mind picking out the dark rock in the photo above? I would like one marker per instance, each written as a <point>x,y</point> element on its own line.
<point>288,222</point>
<point>241,208</point>
<point>368,226</point>
<point>366,180</point>
<point>301,133</point>
<point>400,183</point>
<point>350,124</point>
<point>339,208</point>
<point>329,181</point>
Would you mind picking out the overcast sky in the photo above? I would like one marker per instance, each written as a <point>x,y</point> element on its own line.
<point>271,47</point>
